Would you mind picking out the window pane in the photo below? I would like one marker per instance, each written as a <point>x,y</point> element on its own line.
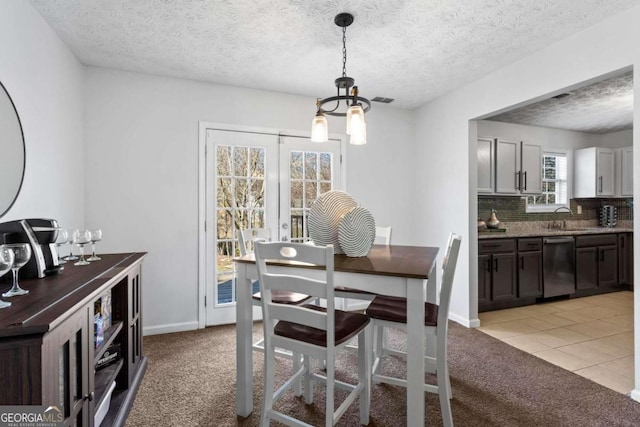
<point>296,165</point>
<point>242,192</point>
<point>224,223</point>
<point>311,165</point>
<point>223,160</point>
<point>240,160</point>
<point>551,199</point>
<point>551,186</point>
<point>325,166</point>
<point>550,174</point>
<point>296,194</point>
<point>257,162</point>
<point>257,218</point>
<point>225,192</point>
<point>257,193</point>
<point>324,187</point>
<point>311,192</point>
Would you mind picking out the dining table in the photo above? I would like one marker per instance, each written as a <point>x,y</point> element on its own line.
<point>394,270</point>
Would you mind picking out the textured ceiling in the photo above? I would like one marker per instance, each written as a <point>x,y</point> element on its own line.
<point>603,107</point>
<point>409,50</point>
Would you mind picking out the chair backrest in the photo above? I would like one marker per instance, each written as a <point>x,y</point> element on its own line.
<point>316,282</point>
<point>252,235</point>
<point>383,236</point>
<point>448,272</point>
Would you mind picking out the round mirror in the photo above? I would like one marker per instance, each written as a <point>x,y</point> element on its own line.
<point>12,152</point>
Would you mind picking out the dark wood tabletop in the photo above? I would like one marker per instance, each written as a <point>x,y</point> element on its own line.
<point>405,261</point>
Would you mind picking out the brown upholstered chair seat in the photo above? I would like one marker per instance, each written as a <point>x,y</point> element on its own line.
<point>284,297</point>
<point>394,309</point>
<point>348,324</point>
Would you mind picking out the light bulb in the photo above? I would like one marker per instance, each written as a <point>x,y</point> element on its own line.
<point>355,114</point>
<point>319,128</point>
<point>358,134</point>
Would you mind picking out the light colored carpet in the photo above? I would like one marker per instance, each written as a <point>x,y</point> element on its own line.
<point>190,381</point>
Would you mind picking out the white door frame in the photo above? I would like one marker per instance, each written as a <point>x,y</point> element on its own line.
<point>202,189</point>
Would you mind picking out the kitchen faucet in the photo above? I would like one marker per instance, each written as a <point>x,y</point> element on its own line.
<point>564,207</point>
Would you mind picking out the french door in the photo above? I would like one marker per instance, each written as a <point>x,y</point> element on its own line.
<point>257,180</point>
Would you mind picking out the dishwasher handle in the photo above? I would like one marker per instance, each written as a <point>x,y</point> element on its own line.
<point>557,240</point>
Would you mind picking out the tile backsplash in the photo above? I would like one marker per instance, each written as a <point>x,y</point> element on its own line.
<point>513,208</point>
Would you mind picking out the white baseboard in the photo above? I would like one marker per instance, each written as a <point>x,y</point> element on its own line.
<point>167,329</point>
<point>635,395</point>
<point>469,323</point>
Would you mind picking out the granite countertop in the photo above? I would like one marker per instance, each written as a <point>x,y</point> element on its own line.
<point>544,228</point>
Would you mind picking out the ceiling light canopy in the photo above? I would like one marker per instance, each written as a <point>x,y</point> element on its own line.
<point>347,103</point>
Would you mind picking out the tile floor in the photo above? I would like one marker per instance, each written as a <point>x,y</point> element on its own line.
<point>590,336</point>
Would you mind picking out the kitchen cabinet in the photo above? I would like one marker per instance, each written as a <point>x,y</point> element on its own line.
<point>486,155</point>
<point>624,172</point>
<point>625,258</point>
<point>518,167</point>
<point>530,267</point>
<point>596,261</point>
<point>48,348</point>
<point>496,273</point>
<point>594,172</point>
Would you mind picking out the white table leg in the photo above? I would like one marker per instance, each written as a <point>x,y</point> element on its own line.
<point>415,352</point>
<point>244,335</point>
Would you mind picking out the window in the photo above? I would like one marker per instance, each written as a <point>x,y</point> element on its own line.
<point>554,184</point>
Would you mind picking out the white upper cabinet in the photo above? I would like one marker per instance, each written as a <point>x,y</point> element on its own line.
<point>624,172</point>
<point>518,167</point>
<point>485,165</point>
<point>594,172</point>
<point>531,168</point>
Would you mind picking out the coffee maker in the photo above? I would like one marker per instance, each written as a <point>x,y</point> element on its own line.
<point>41,234</point>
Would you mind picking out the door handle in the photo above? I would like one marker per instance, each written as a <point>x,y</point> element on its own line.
<point>525,180</point>
<point>600,179</point>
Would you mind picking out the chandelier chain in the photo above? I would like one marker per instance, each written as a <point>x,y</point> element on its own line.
<point>344,51</point>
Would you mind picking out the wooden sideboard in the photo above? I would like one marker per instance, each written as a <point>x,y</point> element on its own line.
<point>47,350</point>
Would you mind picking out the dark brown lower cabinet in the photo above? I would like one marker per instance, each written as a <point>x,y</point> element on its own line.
<point>47,343</point>
<point>496,273</point>
<point>596,261</point>
<point>625,258</point>
<point>530,267</point>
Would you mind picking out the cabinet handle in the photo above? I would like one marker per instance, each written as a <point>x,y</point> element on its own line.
<point>495,263</point>
<point>518,180</point>
<point>600,179</point>
<point>89,396</point>
<point>525,180</point>
<point>489,265</point>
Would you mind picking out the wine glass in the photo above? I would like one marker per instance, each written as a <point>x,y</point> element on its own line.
<point>21,255</point>
<point>71,256</point>
<point>6,261</point>
<point>81,238</point>
<point>94,236</point>
<point>63,239</point>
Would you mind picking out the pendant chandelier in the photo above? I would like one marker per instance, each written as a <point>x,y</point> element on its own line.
<point>347,103</point>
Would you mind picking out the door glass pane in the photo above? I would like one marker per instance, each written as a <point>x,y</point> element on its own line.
<point>240,204</point>
<point>309,179</point>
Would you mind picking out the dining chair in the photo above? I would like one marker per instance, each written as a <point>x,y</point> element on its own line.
<point>391,312</point>
<point>313,331</point>
<point>247,239</point>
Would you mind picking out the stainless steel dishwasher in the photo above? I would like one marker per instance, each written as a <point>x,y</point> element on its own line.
<point>558,266</point>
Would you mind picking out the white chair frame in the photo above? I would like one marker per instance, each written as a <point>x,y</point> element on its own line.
<point>273,313</point>
<point>443,387</point>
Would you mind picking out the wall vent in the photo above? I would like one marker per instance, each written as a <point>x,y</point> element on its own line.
<point>562,95</point>
<point>382,99</point>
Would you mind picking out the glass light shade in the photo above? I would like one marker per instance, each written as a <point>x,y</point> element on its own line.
<point>359,134</point>
<point>355,116</point>
<point>319,128</point>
